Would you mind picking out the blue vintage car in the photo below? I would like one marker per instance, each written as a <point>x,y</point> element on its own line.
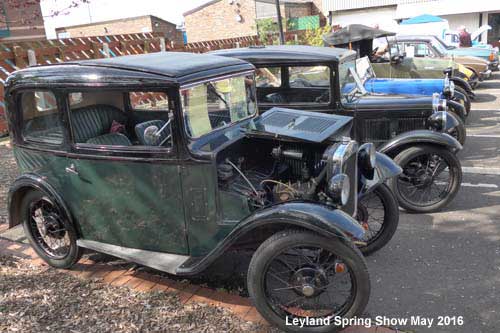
<point>444,87</point>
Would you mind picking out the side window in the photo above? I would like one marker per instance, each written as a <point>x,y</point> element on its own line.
<point>102,118</point>
<point>41,117</point>
<point>306,85</point>
<point>268,77</point>
<point>422,50</point>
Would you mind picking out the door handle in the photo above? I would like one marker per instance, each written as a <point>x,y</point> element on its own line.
<point>71,169</point>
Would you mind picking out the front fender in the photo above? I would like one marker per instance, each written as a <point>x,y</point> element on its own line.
<point>463,84</point>
<point>457,95</point>
<point>326,221</point>
<point>385,169</point>
<point>451,121</point>
<point>394,146</point>
<point>458,108</point>
<point>31,181</point>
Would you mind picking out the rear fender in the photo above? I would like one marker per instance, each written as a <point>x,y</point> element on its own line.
<point>412,138</point>
<point>31,181</point>
<point>326,221</point>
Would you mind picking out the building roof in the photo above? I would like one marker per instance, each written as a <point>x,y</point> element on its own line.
<point>174,67</point>
<point>425,18</point>
<point>287,54</point>
<point>209,3</point>
<point>113,21</point>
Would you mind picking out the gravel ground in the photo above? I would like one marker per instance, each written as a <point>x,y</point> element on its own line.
<point>8,172</point>
<point>37,299</point>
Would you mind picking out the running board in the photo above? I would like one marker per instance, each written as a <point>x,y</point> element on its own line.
<point>165,262</point>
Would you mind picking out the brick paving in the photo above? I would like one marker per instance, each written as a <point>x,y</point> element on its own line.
<point>145,282</point>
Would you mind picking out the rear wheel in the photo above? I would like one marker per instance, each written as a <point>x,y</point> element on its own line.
<point>378,214</point>
<point>430,180</point>
<point>51,235</point>
<point>298,274</point>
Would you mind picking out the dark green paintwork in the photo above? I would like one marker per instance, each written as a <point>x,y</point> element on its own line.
<point>132,204</point>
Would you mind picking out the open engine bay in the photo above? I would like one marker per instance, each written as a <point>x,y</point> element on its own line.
<point>274,171</point>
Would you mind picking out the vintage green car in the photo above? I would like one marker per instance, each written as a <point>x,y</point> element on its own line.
<point>161,159</point>
<point>420,46</point>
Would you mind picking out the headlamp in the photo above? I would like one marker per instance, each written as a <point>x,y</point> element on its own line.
<point>339,188</point>
<point>438,104</point>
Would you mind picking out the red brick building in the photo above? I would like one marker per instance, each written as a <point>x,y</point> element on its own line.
<point>18,23</point>
<point>220,19</point>
<point>129,25</point>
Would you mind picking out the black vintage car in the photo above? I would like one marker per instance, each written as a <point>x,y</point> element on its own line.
<point>411,129</point>
<point>161,159</point>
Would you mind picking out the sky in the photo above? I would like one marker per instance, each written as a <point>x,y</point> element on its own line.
<point>102,10</point>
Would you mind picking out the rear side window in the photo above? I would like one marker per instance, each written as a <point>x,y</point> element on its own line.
<point>41,117</point>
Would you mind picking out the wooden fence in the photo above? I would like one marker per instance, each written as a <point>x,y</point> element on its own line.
<point>14,56</point>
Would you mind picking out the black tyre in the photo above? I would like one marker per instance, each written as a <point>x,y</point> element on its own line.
<point>297,274</point>
<point>430,180</point>
<point>51,235</point>
<point>378,214</point>
<point>459,132</point>
<point>467,102</point>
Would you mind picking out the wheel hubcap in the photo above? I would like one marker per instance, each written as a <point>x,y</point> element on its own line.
<point>310,281</point>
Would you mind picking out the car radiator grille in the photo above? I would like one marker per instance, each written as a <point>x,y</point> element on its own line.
<point>375,130</point>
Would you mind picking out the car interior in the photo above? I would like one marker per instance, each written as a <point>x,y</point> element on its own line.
<point>294,85</point>
<point>114,118</point>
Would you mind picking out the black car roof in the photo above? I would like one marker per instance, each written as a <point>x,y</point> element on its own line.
<point>171,64</point>
<point>173,67</point>
<point>287,54</point>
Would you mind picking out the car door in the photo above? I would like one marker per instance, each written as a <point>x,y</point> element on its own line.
<point>123,190</point>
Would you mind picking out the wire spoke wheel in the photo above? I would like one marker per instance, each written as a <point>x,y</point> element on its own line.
<point>426,180</point>
<point>430,180</point>
<point>306,281</point>
<point>378,214</point>
<point>48,230</point>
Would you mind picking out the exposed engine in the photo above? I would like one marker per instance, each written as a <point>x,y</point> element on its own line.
<point>282,172</point>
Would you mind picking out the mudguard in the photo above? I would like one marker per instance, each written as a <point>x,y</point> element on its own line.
<point>416,137</point>
<point>33,181</point>
<point>458,108</point>
<point>459,96</point>
<point>463,84</point>
<point>451,122</point>
<point>326,221</point>
<point>386,168</point>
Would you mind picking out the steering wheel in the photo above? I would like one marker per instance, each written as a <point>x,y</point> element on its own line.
<point>323,98</point>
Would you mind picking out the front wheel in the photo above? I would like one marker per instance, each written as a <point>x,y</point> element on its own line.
<point>430,180</point>
<point>378,214</point>
<point>298,274</point>
<point>50,233</point>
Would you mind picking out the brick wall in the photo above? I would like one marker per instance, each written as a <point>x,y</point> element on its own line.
<point>25,23</point>
<point>218,21</point>
<point>123,26</point>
